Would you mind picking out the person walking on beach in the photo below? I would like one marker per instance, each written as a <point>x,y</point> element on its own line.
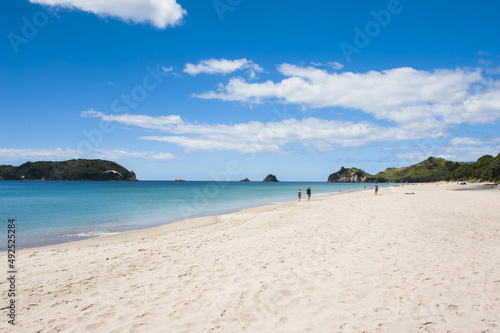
<point>376,189</point>
<point>299,194</point>
<point>308,191</point>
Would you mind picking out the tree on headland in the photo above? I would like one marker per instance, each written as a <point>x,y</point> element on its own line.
<point>487,168</point>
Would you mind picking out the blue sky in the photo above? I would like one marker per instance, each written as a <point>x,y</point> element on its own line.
<point>228,89</point>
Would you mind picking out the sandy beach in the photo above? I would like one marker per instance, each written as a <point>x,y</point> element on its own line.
<point>421,258</point>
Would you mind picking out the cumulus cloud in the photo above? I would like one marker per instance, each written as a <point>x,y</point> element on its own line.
<point>160,13</point>
<point>255,136</point>
<point>483,107</point>
<point>222,66</point>
<point>405,96</point>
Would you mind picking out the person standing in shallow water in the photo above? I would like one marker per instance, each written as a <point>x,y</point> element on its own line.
<point>308,191</point>
<point>376,189</point>
<point>299,194</point>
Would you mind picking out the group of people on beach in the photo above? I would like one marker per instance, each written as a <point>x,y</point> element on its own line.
<point>308,192</point>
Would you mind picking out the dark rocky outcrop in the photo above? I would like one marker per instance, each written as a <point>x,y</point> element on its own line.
<point>246,180</point>
<point>271,178</point>
<point>351,175</point>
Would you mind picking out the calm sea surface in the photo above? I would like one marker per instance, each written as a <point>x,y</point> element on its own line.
<point>51,212</point>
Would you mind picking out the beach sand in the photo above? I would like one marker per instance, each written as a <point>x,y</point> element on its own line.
<point>397,262</point>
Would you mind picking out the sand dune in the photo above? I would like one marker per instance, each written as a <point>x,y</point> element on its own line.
<point>426,262</point>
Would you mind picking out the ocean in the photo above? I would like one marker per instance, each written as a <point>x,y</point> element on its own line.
<point>52,212</point>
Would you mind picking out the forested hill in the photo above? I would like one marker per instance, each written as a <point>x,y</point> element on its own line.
<point>486,169</point>
<point>81,169</point>
<point>431,170</point>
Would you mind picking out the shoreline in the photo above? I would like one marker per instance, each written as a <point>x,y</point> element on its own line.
<point>340,263</point>
<point>183,224</point>
<point>194,220</point>
<point>155,221</point>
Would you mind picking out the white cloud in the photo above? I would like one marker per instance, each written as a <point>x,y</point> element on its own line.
<point>470,149</point>
<point>255,136</point>
<point>222,66</point>
<point>493,71</point>
<point>335,65</point>
<point>332,64</point>
<point>483,107</point>
<point>202,143</point>
<point>154,123</point>
<point>483,53</point>
<point>463,149</point>
<point>405,96</point>
<point>58,154</point>
<point>120,154</point>
<point>12,155</point>
<point>160,13</point>
<point>413,156</point>
<point>316,64</point>
<point>456,142</point>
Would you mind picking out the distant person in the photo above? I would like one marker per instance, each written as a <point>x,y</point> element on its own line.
<point>308,191</point>
<point>299,195</point>
<point>376,189</point>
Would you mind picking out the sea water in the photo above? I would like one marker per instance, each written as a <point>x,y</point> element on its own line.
<point>51,212</point>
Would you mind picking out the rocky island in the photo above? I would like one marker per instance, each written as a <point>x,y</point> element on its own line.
<point>271,178</point>
<point>80,169</point>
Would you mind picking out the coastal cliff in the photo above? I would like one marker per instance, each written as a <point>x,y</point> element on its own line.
<point>81,169</point>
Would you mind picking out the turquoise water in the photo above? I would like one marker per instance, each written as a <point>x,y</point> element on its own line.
<point>51,212</point>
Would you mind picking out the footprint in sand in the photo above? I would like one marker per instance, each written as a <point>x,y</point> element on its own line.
<point>106,315</point>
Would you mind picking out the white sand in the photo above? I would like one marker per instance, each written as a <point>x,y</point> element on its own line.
<point>347,263</point>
